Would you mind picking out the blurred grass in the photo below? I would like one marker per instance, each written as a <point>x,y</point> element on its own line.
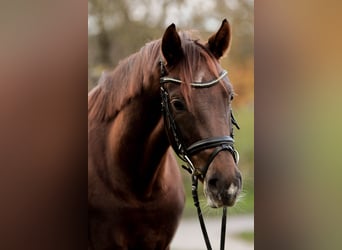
<point>245,145</point>
<point>246,236</point>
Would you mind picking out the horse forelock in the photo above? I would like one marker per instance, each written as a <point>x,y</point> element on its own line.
<point>196,55</point>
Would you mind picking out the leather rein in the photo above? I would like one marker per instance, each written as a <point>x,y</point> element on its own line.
<point>222,143</point>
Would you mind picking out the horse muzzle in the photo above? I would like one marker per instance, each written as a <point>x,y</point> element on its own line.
<point>220,192</point>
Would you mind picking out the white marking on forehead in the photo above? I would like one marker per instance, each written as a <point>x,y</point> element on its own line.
<point>199,77</point>
<point>232,189</point>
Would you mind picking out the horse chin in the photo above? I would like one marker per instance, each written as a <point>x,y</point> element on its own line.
<point>216,203</point>
<point>213,204</point>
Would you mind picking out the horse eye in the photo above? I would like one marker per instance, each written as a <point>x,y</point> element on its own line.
<point>231,97</point>
<point>178,105</point>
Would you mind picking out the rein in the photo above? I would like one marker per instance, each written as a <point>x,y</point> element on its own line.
<point>175,138</point>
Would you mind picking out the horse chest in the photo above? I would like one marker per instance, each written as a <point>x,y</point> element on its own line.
<point>147,224</point>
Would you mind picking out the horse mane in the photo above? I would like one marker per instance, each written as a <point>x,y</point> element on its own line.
<point>116,88</point>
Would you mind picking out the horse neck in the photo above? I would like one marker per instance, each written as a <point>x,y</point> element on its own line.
<point>137,141</point>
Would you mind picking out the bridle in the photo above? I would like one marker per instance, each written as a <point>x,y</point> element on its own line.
<point>221,143</point>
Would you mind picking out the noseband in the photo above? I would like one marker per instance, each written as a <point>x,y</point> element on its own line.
<point>221,143</point>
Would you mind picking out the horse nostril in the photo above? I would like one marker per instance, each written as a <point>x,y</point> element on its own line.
<point>212,183</point>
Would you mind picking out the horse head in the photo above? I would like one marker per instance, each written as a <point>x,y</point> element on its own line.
<point>197,97</point>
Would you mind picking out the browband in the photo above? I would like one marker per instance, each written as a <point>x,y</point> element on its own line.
<point>165,79</point>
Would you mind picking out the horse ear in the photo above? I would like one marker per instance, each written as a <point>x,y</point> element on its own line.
<point>171,45</point>
<point>219,42</point>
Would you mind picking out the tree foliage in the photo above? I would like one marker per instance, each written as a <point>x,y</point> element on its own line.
<point>119,28</point>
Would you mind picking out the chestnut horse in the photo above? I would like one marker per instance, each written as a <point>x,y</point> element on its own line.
<point>135,191</point>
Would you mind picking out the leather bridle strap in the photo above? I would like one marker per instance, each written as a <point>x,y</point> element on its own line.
<point>197,147</point>
<point>194,179</point>
<point>213,155</point>
<point>209,143</point>
<point>194,192</point>
<point>218,143</point>
<point>223,228</point>
<point>165,79</point>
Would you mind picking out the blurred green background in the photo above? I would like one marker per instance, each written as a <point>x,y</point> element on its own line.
<point>119,28</point>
